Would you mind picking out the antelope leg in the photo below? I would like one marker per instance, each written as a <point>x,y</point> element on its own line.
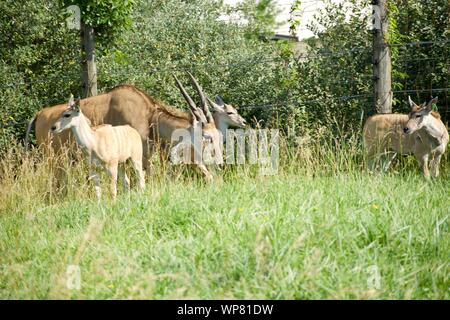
<point>112,171</point>
<point>434,164</point>
<point>387,160</point>
<point>137,165</point>
<point>205,172</point>
<point>124,177</point>
<point>424,164</point>
<point>93,175</point>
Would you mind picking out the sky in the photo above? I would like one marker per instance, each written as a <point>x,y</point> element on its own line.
<point>309,8</point>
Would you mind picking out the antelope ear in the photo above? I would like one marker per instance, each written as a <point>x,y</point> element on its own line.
<point>431,103</point>
<point>214,105</point>
<point>219,101</point>
<point>76,104</point>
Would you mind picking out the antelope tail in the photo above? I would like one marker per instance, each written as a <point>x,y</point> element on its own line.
<point>29,128</point>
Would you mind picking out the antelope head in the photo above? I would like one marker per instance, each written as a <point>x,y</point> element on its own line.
<point>420,116</point>
<point>69,118</point>
<point>203,121</point>
<point>226,114</point>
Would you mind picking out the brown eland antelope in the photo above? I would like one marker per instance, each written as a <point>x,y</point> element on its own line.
<point>202,122</point>
<point>105,145</point>
<point>126,104</point>
<point>421,132</point>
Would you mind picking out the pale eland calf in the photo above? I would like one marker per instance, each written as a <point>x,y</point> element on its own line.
<point>105,145</point>
<point>430,134</point>
<point>421,133</point>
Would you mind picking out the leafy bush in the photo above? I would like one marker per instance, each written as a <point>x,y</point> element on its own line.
<point>328,88</point>
<point>177,36</point>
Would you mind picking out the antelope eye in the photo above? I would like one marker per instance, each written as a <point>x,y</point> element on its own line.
<point>418,115</point>
<point>230,112</point>
<point>66,115</point>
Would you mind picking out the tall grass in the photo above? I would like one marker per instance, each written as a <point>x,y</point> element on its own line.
<point>322,227</point>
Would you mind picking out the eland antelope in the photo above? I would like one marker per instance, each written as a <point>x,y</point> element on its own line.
<point>421,133</point>
<point>203,123</point>
<point>104,145</point>
<point>126,104</point>
<point>225,116</point>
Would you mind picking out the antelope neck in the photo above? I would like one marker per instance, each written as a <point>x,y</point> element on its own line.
<point>84,134</point>
<point>221,125</point>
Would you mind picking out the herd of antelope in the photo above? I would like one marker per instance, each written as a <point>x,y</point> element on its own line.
<point>127,124</point>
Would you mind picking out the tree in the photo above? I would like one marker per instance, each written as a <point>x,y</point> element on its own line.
<point>261,17</point>
<point>334,84</point>
<point>176,36</point>
<point>423,66</point>
<point>107,19</point>
<point>38,63</point>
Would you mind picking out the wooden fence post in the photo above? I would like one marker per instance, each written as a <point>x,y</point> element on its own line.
<point>382,66</point>
<point>88,63</point>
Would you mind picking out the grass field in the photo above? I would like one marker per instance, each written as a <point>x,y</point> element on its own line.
<point>319,229</point>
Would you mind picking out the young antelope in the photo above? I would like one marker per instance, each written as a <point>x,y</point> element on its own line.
<point>104,146</point>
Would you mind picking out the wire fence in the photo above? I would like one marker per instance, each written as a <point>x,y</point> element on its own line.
<point>300,58</point>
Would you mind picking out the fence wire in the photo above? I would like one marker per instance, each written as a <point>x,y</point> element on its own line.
<point>305,57</point>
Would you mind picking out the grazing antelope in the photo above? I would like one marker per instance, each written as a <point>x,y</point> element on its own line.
<point>126,104</point>
<point>105,146</point>
<point>421,132</point>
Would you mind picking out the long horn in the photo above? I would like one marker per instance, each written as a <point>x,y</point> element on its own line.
<point>192,107</point>
<point>411,103</point>
<point>205,107</point>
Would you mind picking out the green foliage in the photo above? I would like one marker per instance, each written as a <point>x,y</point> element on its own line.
<point>109,18</point>
<point>38,62</point>
<point>34,40</point>
<point>259,16</point>
<point>264,12</point>
<point>294,20</point>
<point>168,36</point>
<point>177,36</point>
<point>424,66</point>
<point>333,84</point>
<point>395,38</point>
<point>11,96</point>
<point>312,231</point>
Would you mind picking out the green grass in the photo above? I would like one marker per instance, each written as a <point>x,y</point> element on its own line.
<point>301,234</point>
